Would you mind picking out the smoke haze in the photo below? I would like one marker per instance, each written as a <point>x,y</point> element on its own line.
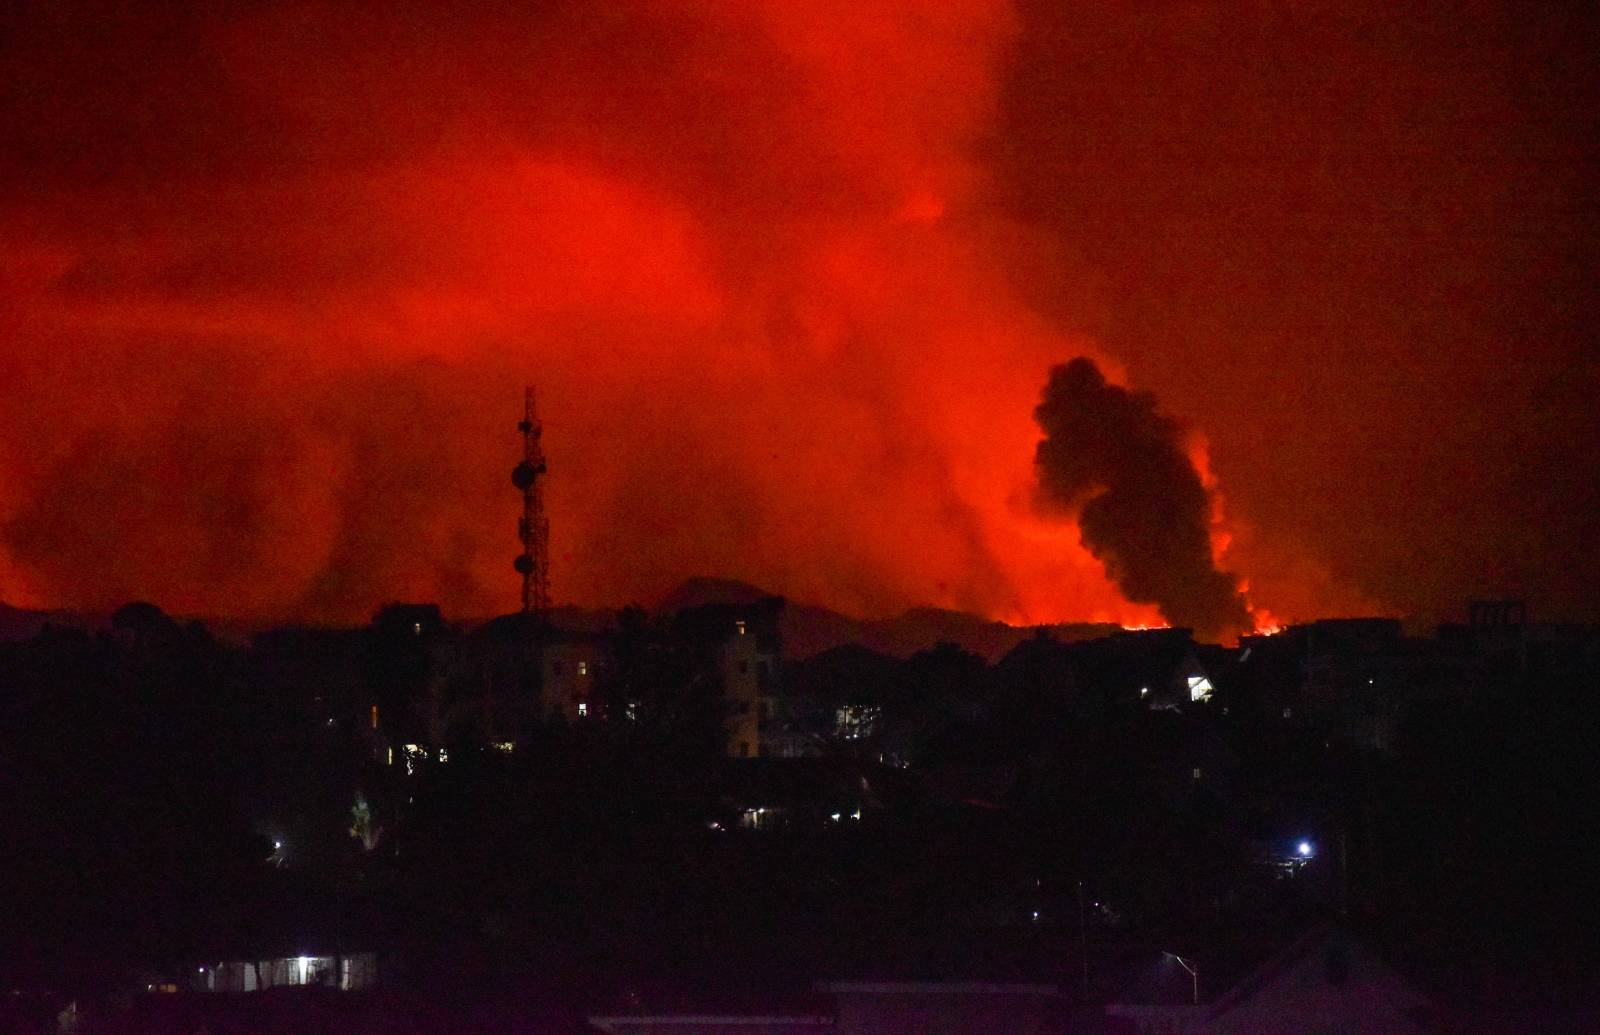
<point>278,279</point>
<point>788,278</point>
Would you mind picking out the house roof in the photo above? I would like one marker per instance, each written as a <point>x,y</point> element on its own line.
<point>1325,979</point>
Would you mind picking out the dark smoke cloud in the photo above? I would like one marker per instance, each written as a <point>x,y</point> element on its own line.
<point>272,279</point>
<point>1119,464</point>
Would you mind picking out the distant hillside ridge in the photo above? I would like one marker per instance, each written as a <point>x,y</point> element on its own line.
<point>810,629</point>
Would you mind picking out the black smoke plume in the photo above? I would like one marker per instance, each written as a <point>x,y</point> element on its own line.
<point>1112,459</point>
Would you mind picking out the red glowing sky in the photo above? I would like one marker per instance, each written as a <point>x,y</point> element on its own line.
<point>790,278</point>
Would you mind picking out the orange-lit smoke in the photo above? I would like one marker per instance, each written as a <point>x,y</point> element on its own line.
<point>274,283</point>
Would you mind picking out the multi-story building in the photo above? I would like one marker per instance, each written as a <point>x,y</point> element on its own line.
<point>571,667</point>
<point>748,660</point>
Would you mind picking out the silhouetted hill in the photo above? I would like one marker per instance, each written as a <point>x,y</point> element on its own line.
<point>699,592</point>
<point>809,629</point>
<point>18,623</point>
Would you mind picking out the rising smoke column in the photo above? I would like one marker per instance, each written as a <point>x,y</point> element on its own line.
<point>272,280</point>
<point>1110,457</point>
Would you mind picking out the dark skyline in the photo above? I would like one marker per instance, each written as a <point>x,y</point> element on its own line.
<point>791,280</point>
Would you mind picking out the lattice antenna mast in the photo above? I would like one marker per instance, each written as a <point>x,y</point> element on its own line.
<point>533,528</point>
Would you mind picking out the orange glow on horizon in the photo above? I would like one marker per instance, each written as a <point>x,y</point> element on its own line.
<point>758,276</point>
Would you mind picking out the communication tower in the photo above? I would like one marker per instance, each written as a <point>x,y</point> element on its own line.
<point>533,564</point>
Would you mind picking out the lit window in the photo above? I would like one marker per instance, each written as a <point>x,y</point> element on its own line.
<point>1197,773</point>
<point>374,716</point>
<point>391,756</point>
<point>505,746</point>
<point>855,721</point>
<point>583,668</point>
<point>444,756</point>
<point>739,625</point>
<point>583,708</point>
<point>416,628</point>
<point>1144,691</point>
<point>1199,688</point>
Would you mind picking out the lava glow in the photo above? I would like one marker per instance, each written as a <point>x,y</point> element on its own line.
<point>748,267</point>
<point>272,279</point>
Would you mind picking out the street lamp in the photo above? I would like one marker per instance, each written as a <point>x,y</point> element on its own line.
<point>1304,849</point>
<point>1194,975</point>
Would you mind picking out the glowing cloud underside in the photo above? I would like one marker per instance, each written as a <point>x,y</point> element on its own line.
<point>266,349</point>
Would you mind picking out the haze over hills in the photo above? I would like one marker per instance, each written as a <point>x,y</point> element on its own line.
<point>807,629</point>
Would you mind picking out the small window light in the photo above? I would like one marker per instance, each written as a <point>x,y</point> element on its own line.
<point>416,628</point>
<point>583,708</point>
<point>583,668</point>
<point>1144,691</point>
<point>739,625</point>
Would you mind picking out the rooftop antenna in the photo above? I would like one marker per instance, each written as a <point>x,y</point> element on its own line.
<point>533,528</point>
